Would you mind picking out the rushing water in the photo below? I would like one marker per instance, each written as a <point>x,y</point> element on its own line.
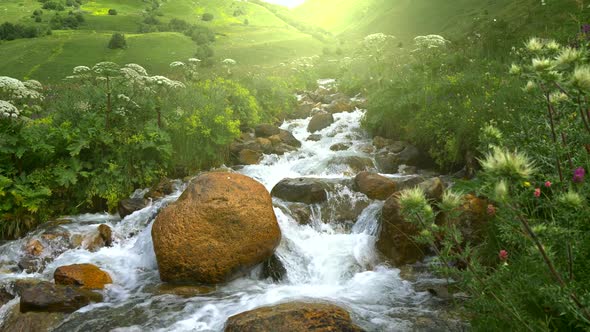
<point>323,260</point>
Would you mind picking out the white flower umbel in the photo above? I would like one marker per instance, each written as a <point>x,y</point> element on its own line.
<point>177,64</point>
<point>137,68</point>
<point>229,62</point>
<point>430,41</point>
<point>33,85</point>
<point>81,70</point>
<point>194,61</point>
<point>106,68</point>
<point>7,110</point>
<point>165,82</point>
<point>16,91</point>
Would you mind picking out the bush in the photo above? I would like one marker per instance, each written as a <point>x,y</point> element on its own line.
<point>52,5</point>
<point>11,31</point>
<point>112,12</point>
<point>117,41</point>
<point>207,17</point>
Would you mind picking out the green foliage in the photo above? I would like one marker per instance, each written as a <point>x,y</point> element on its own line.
<point>10,31</point>
<point>112,12</point>
<point>117,41</point>
<point>207,17</point>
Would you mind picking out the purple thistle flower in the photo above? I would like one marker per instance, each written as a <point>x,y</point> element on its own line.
<point>586,28</point>
<point>579,174</point>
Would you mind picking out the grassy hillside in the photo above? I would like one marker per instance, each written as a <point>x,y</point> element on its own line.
<point>408,18</point>
<point>246,32</point>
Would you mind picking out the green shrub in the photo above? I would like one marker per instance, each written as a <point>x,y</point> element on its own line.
<point>117,41</point>
<point>207,17</point>
<point>112,12</point>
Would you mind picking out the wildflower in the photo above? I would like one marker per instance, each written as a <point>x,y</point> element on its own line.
<point>579,174</point>
<point>501,190</point>
<point>413,199</point>
<point>503,255</point>
<point>530,86</point>
<point>534,45</point>
<point>558,97</point>
<point>194,60</point>
<point>568,56</point>
<point>430,41</point>
<point>7,110</point>
<point>548,184</point>
<point>229,62</point>
<point>571,199</point>
<point>491,210</point>
<point>504,164</point>
<point>553,45</point>
<point>537,192</point>
<point>79,70</point>
<point>541,64</point>
<point>526,184</point>
<point>106,68</point>
<point>137,68</point>
<point>177,64</point>
<point>450,201</point>
<point>581,78</point>
<point>515,69</point>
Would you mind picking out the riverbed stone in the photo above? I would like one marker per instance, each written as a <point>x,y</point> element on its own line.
<point>375,186</point>
<point>288,138</point>
<point>266,130</point>
<point>249,157</point>
<point>340,147</point>
<point>340,106</point>
<point>16,321</point>
<point>293,317</point>
<point>221,227</point>
<point>85,276</point>
<point>303,190</point>
<point>433,188</point>
<point>314,137</point>
<point>395,240</point>
<point>320,121</point>
<point>130,205</point>
<point>49,297</point>
<point>34,247</point>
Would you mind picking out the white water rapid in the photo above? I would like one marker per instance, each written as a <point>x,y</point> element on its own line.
<point>326,259</point>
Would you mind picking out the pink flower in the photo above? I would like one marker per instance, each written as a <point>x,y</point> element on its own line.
<point>548,184</point>
<point>538,192</point>
<point>579,174</point>
<point>503,255</point>
<point>491,210</point>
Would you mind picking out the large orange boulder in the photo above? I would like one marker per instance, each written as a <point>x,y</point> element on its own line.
<point>221,226</point>
<point>375,186</point>
<point>84,275</point>
<point>293,317</point>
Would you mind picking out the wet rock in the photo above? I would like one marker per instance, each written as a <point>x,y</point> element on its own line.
<point>389,144</point>
<point>221,227</point>
<point>320,121</point>
<point>106,234</point>
<point>288,138</point>
<point>185,291</point>
<point>374,185</point>
<point>340,147</point>
<point>314,137</point>
<point>16,321</point>
<point>273,268</point>
<point>20,285</point>
<point>130,205</point>
<point>163,188</point>
<point>266,130</point>
<point>302,111</point>
<point>85,276</point>
<point>395,240</point>
<point>265,144</point>
<point>48,297</point>
<point>342,211</point>
<point>389,162</point>
<point>355,163</point>
<point>433,188</point>
<point>331,98</point>
<point>249,157</point>
<point>34,247</point>
<point>340,106</point>
<point>281,149</point>
<point>303,190</point>
<point>408,182</point>
<point>5,295</point>
<point>473,220</point>
<point>94,240</point>
<point>301,213</point>
<point>293,317</point>
<point>32,264</point>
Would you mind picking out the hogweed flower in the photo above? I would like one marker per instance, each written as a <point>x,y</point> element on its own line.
<point>177,64</point>
<point>7,110</point>
<point>579,174</point>
<point>431,41</point>
<point>537,192</point>
<point>229,62</point>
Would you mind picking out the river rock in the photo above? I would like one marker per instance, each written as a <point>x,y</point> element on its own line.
<point>265,144</point>
<point>266,130</point>
<point>303,190</point>
<point>34,247</point>
<point>389,162</point>
<point>273,268</point>
<point>85,276</point>
<point>395,240</point>
<point>249,157</point>
<point>221,227</point>
<point>293,317</point>
<point>48,297</point>
<point>288,138</point>
<point>314,137</point>
<point>16,321</point>
<point>389,144</point>
<point>375,186</point>
<point>340,106</point>
<point>130,205</point>
<point>300,212</point>
<point>320,121</point>
<point>340,147</point>
<point>355,163</point>
<point>163,188</point>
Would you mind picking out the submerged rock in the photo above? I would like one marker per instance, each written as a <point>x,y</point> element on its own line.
<point>16,321</point>
<point>221,227</point>
<point>287,137</point>
<point>375,186</point>
<point>293,317</point>
<point>303,190</point>
<point>395,240</point>
<point>340,147</point>
<point>320,121</point>
<point>48,297</point>
<point>85,276</point>
<point>314,137</point>
<point>34,247</point>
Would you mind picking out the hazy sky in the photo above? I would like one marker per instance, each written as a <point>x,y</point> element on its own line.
<point>288,3</point>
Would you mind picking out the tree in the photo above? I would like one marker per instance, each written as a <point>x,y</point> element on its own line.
<point>117,41</point>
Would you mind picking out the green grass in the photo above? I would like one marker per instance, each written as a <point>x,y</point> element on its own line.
<point>18,10</point>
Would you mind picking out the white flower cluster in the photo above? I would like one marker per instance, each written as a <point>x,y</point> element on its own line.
<point>7,110</point>
<point>137,68</point>
<point>377,40</point>
<point>194,60</point>
<point>81,70</point>
<point>177,64</point>
<point>229,62</point>
<point>430,41</point>
<point>15,90</point>
<point>105,68</point>
<point>164,82</point>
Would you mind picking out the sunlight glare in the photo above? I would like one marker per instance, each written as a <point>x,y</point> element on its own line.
<point>287,3</point>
